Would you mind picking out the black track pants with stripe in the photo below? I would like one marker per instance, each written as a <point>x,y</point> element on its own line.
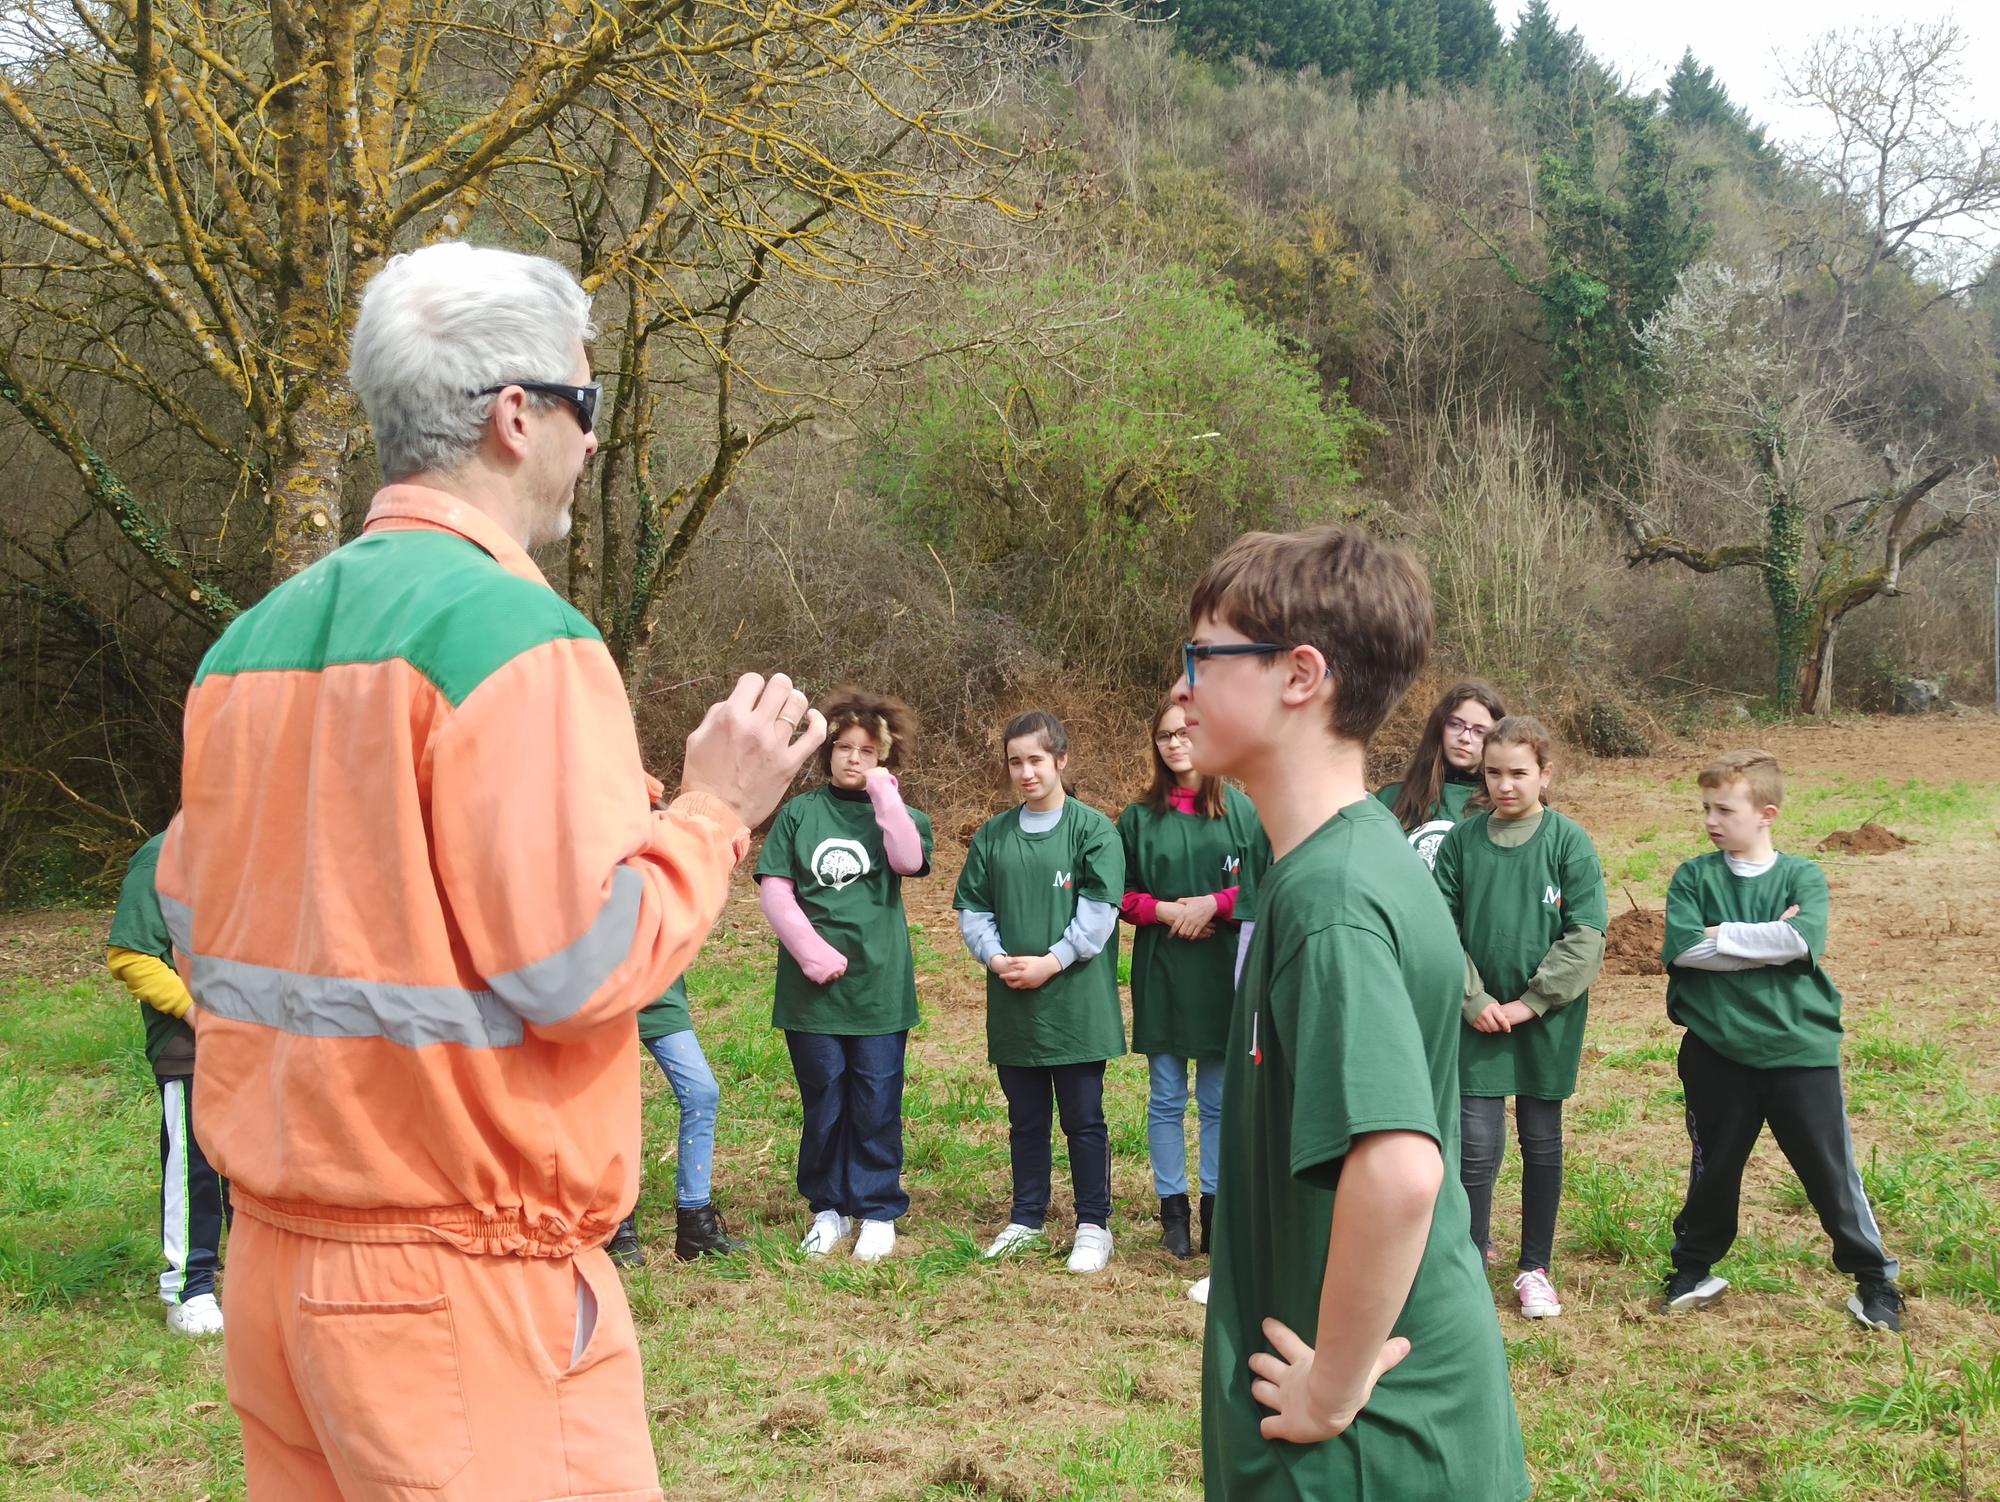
<point>1728,1105</point>
<point>194,1200</point>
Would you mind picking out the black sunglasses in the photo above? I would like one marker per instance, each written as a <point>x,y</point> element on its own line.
<point>582,400</point>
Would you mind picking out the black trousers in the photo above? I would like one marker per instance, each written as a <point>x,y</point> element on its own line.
<point>194,1199</point>
<point>1727,1106</point>
<point>1078,1094</point>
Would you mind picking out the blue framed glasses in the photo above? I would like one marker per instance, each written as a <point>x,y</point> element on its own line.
<point>1193,652</point>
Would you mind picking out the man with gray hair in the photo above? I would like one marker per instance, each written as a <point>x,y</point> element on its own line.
<point>419,890</point>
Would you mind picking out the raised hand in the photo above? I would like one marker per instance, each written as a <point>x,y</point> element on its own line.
<point>744,751</point>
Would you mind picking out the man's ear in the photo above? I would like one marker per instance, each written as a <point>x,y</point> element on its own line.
<point>507,426</point>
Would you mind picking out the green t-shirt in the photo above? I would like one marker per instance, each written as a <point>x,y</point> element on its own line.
<point>668,1015</point>
<point>1347,1022</point>
<point>1449,809</point>
<point>139,926</point>
<point>829,846</point>
<point>1181,988</point>
<point>1511,905</point>
<point>1031,884</point>
<point>1775,1016</point>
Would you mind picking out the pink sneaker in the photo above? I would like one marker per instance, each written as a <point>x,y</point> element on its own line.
<point>1538,1295</point>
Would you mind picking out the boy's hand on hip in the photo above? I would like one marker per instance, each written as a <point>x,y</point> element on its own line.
<point>748,748</point>
<point>1284,1385</point>
<point>1493,1019</point>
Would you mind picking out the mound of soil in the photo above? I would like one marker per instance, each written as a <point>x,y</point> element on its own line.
<point>1870,839</point>
<point>1632,942</point>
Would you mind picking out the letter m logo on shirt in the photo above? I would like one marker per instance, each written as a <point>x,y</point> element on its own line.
<point>1062,880</point>
<point>1551,897</point>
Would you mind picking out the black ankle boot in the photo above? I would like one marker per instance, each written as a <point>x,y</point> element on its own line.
<point>699,1232</point>
<point>624,1248</point>
<point>1174,1225</point>
<point>1207,1219</point>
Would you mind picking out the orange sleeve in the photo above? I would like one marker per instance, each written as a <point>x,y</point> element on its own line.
<point>577,902</point>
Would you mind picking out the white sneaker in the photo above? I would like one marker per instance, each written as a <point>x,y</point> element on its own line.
<point>1199,1293</point>
<point>1013,1239</point>
<point>1538,1295</point>
<point>876,1241</point>
<point>1092,1250</point>
<point>199,1316</point>
<point>829,1229</point>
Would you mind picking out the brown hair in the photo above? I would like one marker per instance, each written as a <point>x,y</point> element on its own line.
<point>1523,730</point>
<point>1210,797</point>
<point>890,721</point>
<point>1423,778</point>
<point>1364,605</point>
<point>1047,729</point>
<point>1756,770</point>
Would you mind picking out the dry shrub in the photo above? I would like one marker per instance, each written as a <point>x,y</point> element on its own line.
<point>1516,557</point>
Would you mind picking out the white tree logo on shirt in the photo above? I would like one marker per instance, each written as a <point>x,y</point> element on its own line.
<point>839,863</point>
<point>1426,838</point>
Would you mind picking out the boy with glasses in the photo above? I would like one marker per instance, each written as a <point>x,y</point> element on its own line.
<point>1352,1349</point>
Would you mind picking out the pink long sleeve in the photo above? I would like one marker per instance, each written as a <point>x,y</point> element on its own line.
<point>1140,908</point>
<point>900,840</point>
<point>779,898</point>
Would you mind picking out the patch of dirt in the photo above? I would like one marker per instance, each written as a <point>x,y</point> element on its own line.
<point>1870,839</point>
<point>54,946</point>
<point>1632,942</point>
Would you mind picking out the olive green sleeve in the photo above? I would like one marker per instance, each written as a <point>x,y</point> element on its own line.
<point>1476,999</point>
<point>1567,971</point>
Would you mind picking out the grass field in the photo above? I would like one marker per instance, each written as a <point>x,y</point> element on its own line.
<point>932,1376</point>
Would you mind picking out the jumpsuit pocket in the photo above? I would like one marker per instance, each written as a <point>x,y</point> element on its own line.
<point>384,1380</point>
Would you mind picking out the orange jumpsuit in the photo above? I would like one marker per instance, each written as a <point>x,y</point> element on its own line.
<point>418,892</point>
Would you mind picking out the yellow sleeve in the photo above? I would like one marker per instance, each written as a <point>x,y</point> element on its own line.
<point>152,981</point>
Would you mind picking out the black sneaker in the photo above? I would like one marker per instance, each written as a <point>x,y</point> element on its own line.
<point>1878,1304</point>
<point>1692,1287</point>
<point>624,1249</point>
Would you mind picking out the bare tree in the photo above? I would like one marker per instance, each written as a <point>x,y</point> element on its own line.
<point>1907,177</point>
<point>1756,441</point>
<point>194,193</point>
<point>1782,410</point>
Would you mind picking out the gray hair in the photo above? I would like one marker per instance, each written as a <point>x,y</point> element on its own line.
<point>443,322</point>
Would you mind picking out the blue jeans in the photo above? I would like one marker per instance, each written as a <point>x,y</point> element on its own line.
<point>851,1141</point>
<point>1166,1121</point>
<point>686,1068</point>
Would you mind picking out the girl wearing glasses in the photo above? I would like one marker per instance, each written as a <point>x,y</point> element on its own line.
<point>1038,908</point>
<point>1193,851</point>
<point>1442,780</point>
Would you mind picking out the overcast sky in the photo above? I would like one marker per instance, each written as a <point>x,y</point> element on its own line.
<point>1743,41</point>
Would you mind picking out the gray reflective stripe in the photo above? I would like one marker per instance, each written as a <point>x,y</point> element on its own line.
<point>180,923</point>
<point>338,1006</point>
<point>552,989</point>
<point>335,1006</point>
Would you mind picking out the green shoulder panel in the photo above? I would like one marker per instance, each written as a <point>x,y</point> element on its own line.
<point>432,599</point>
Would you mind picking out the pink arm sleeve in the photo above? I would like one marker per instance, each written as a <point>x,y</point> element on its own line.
<point>900,840</point>
<point>1140,908</point>
<point>779,898</point>
<point>1225,903</point>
